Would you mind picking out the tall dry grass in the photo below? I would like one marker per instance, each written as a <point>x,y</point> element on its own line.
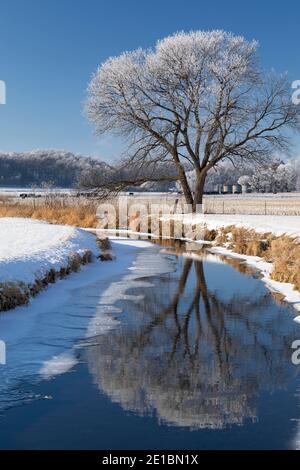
<point>284,252</point>
<point>78,215</point>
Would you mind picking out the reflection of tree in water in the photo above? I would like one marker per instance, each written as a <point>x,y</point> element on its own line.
<point>192,358</point>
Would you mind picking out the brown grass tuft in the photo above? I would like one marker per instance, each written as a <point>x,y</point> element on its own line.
<point>284,252</point>
<point>104,243</point>
<point>210,235</point>
<point>105,246</point>
<point>12,295</point>
<point>75,262</point>
<point>223,234</point>
<point>244,241</point>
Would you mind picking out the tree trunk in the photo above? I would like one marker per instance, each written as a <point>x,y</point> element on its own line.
<point>186,189</point>
<point>199,190</point>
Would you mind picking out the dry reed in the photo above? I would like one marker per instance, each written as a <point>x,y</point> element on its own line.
<point>77,215</point>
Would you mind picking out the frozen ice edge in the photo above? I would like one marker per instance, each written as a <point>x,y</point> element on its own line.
<point>130,273</point>
<point>127,252</point>
<point>45,338</point>
<point>32,333</point>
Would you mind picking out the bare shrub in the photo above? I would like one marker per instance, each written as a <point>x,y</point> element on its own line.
<point>106,257</point>
<point>62,273</point>
<point>250,243</point>
<point>51,276</point>
<point>105,247</point>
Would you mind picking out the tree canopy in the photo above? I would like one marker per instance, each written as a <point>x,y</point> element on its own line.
<point>194,100</point>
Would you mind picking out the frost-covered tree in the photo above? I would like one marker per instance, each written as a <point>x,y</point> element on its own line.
<point>295,164</point>
<point>264,178</point>
<point>286,177</point>
<point>244,180</point>
<point>276,176</point>
<point>194,100</point>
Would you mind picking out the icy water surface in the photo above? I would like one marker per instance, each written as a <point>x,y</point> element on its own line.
<point>177,352</point>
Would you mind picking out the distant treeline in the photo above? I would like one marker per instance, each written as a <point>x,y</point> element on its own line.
<point>62,169</point>
<point>55,167</point>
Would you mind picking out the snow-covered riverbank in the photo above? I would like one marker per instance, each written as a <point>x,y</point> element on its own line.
<point>42,338</point>
<point>30,248</point>
<point>278,225</point>
<point>34,254</point>
<point>287,290</point>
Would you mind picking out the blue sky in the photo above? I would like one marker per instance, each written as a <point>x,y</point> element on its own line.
<point>50,48</point>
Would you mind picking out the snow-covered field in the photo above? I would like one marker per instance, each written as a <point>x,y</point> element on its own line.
<point>30,248</point>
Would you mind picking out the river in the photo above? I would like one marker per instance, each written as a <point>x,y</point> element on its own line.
<point>172,350</point>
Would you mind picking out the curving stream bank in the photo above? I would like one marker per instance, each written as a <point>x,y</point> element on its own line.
<point>164,351</point>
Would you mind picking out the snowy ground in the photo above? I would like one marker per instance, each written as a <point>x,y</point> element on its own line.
<point>276,224</point>
<point>30,248</point>
<point>260,223</point>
